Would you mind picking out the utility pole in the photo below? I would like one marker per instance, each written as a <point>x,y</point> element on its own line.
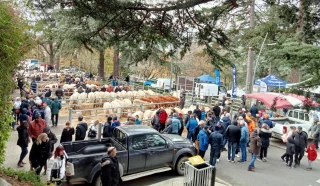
<point>249,80</point>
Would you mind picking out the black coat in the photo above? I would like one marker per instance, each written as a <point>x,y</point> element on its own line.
<point>81,131</point>
<point>22,136</point>
<point>110,174</point>
<point>67,135</point>
<point>39,154</point>
<point>290,146</point>
<point>265,136</point>
<point>52,140</point>
<point>24,116</point>
<point>216,110</point>
<point>197,112</point>
<point>233,133</point>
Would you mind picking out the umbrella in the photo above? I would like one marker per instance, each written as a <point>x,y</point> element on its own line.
<point>269,98</point>
<point>305,100</point>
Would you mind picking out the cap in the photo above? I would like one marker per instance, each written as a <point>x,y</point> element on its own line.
<point>46,129</point>
<point>299,128</point>
<point>220,122</point>
<point>206,127</point>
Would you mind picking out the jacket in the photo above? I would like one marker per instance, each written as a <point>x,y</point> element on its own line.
<point>244,134</point>
<point>216,140</point>
<point>312,152</point>
<point>55,106</point>
<point>47,114</point>
<point>110,174</point>
<point>315,130</point>
<point>203,140</point>
<point>269,122</point>
<point>52,140</point>
<point>168,129</point>
<point>255,144</point>
<point>251,124</point>
<point>233,133</point>
<point>197,112</point>
<point>265,136</point>
<point>176,125</point>
<point>81,130</point>
<point>163,117</point>
<point>24,104</point>
<point>23,136</point>
<point>36,128</point>
<point>196,132</point>
<point>67,135</point>
<point>191,125</point>
<point>155,122</point>
<point>216,110</point>
<point>39,110</point>
<point>285,136</point>
<point>115,124</point>
<point>225,122</point>
<point>300,140</point>
<point>58,163</point>
<point>39,154</point>
<point>220,130</point>
<point>107,130</point>
<point>203,115</point>
<point>290,146</point>
<point>24,116</point>
<point>254,111</point>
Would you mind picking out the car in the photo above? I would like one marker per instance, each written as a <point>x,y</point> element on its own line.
<point>141,151</point>
<point>149,82</point>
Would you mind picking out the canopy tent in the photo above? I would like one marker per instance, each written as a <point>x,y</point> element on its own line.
<point>271,81</point>
<point>205,78</point>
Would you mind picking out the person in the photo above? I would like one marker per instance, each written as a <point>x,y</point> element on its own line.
<point>55,107</point>
<point>103,88</point>
<point>138,122</point>
<point>24,116</point>
<point>203,114</point>
<point>110,174</point>
<point>180,118</point>
<point>107,131</point>
<point>59,92</point>
<point>127,79</point>
<point>254,110</point>
<point>312,155</point>
<point>34,86</point>
<point>226,121</point>
<point>47,113</point>
<point>285,139</point>
<point>155,122</point>
<point>38,109</point>
<point>56,165</point>
<point>168,128</point>
<point>195,134</point>
<point>109,89</point>
<point>203,141</point>
<point>244,139</point>
<point>36,127</point>
<point>191,125</point>
<point>162,118</point>
<point>23,141</point>
<point>290,150</point>
<point>187,118</point>
<point>115,122</point>
<point>67,133</point>
<point>265,135</point>
<point>210,120</point>
<point>197,112</point>
<point>285,111</point>
<point>81,129</point>
<point>233,133</point>
<point>267,120</point>
<point>216,110</point>
<point>176,125</point>
<point>301,142</point>
<point>51,136</point>
<point>254,149</point>
<point>182,101</point>
<point>216,142</point>
<point>47,94</point>
<point>93,129</point>
<point>16,109</point>
<point>131,120</point>
<point>39,153</point>
<point>315,131</point>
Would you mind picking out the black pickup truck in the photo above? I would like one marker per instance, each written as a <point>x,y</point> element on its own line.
<point>141,150</point>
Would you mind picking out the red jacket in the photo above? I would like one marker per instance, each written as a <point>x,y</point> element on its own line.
<point>109,89</point>
<point>36,128</point>
<point>163,117</point>
<point>312,153</point>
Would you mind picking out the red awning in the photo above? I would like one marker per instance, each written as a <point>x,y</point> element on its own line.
<point>269,99</point>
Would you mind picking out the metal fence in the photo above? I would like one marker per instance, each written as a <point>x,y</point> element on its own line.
<point>196,175</point>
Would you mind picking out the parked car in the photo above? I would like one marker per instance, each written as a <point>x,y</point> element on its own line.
<point>149,82</point>
<point>141,151</point>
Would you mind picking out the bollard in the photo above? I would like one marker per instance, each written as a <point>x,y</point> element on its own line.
<point>99,131</point>
<point>70,114</point>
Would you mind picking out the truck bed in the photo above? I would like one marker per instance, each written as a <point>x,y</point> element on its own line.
<point>284,120</point>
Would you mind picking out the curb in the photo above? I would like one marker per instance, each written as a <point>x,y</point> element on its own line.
<point>222,182</point>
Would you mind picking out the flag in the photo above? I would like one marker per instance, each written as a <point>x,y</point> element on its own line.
<point>234,81</point>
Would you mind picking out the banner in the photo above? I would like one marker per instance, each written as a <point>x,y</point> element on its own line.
<point>217,76</point>
<point>234,81</point>
<point>263,87</point>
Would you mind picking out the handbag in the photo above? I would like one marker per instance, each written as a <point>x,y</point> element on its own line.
<point>92,134</point>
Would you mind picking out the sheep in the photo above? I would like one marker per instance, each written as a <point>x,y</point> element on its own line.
<point>82,97</point>
<point>112,96</point>
<point>116,106</point>
<point>127,104</point>
<point>69,86</point>
<point>108,108</point>
<point>73,98</point>
<point>91,97</point>
<point>147,114</point>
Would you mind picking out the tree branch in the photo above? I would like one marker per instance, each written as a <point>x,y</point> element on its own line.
<point>45,48</point>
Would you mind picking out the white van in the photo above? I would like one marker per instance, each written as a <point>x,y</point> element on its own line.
<point>203,90</point>
<point>162,83</point>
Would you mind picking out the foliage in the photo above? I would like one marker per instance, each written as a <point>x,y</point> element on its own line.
<point>21,175</point>
<point>13,44</point>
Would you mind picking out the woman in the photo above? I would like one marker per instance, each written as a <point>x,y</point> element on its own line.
<point>92,134</point>
<point>56,164</point>
<point>285,139</point>
<point>39,153</point>
<point>255,144</point>
<point>265,135</point>
<point>16,109</point>
<point>67,133</point>
<point>23,141</point>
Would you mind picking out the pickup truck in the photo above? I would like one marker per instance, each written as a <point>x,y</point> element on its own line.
<point>295,117</point>
<point>141,150</point>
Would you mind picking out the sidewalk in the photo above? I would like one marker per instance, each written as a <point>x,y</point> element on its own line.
<point>179,182</point>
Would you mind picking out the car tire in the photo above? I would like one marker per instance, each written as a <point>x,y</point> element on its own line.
<point>97,180</point>
<point>180,165</point>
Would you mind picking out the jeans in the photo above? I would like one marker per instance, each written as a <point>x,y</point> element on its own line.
<point>309,162</point>
<point>289,158</point>
<point>253,159</point>
<point>263,152</point>
<point>190,134</point>
<point>232,149</point>
<point>299,153</point>
<point>202,153</point>
<point>54,121</point>
<point>225,140</point>
<point>243,147</point>
<point>214,153</point>
<point>316,142</point>
<point>24,152</point>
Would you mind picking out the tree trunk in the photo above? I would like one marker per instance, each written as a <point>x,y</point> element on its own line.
<point>51,54</point>
<point>116,65</point>
<point>58,63</point>
<point>101,64</point>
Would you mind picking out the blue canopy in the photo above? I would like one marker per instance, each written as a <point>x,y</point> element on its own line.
<point>271,81</point>
<point>205,78</point>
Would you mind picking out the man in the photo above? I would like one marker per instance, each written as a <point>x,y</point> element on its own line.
<point>81,129</point>
<point>168,128</point>
<point>176,125</point>
<point>38,109</point>
<point>301,143</point>
<point>244,139</point>
<point>110,174</point>
<point>254,110</point>
<point>255,146</point>
<point>211,121</point>
<point>251,124</point>
<point>186,120</point>
<point>162,118</point>
<point>127,79</point>
<point>226,121</point>
<point>217,110</point>
<point>36,127</point>
<point>34,86</point>
<point>59,92</point>
<point>233,133</point>
<point>115,123</point>
<point>216,142</point>
<point>197,112</point>
<point>203,141</point>
<point>155,121</point>
<point>195,134</point>
<point>55,107</point>
<point>47,94</point>
<point>182,101</point>
<point>47,113</point>
<point>315,131</point>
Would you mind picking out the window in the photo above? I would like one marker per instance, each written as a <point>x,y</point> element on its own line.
<point>155,141</point>
<point>120,137</point>
<point>301,115</point>
<point>222,89</point>
<point>138,142</point>
<point>306,117</point>
<point>290,113</point>
<point>296,115</point>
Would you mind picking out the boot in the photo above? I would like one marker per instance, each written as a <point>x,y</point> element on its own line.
<point>20,164</point>
<point>250,169</point>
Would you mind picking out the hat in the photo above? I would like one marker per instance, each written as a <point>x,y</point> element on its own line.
<point>243,109</point>
<point>220,122</point>
<point>206,127</point>
<point>46,129</point>
<point>115,118</point>
<point>299,128</point>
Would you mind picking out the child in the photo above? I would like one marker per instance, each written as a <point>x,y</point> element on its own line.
<point>138,122</point>
<point>67,133</point>
<point>312,155</point>
<point>290,151</point>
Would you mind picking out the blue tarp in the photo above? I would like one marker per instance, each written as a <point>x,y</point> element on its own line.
<point>205,78</point>
<point>271,81</point>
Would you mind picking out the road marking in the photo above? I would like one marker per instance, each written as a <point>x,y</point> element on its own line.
<point>318,181</point>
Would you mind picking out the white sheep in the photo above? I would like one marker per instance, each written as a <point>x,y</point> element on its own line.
<point>116,106</point>
<point>82,97</point>
<point>91,97</point>
<point>108,108</point>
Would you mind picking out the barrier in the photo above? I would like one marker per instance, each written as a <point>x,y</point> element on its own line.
<point>201,174</point>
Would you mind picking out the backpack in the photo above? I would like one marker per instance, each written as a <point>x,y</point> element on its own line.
<point>91,133</point>
<point>107,131</point>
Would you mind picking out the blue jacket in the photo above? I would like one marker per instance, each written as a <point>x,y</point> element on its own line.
<point>220,130</point>
<point>254,111</point>
<point>225,122</point>
<point>269,122</point>
<point>191,125</point>
<point>115,124</point>
<point>176,125</point>
<point>203,115</point>
<point>244,134</point>
<point>216,140</point>
<point>138,122</point>
<point>203,140</point>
